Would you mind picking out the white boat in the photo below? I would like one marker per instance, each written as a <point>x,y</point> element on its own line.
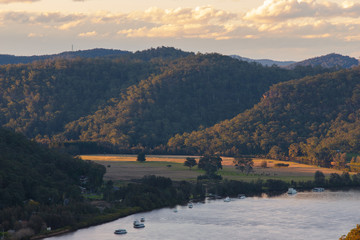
<point>120,231</point>
<point>142,219</point>
<point>227,199</point>
<point>241,196</point>
<point>190,205</point>
<point>292,191</point>
<point>138,224</point>
<point>318,189</point>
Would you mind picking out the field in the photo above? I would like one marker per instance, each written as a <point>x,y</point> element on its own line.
<point>126,168</point>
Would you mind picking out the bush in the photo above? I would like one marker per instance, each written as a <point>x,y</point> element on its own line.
<point>281,165</point>
<point>263,164</point>
<point>141,157</point>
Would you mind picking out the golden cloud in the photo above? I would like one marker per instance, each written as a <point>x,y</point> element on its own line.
<point>17,1</point>
<point>88,34</point>
<point>282,10</point>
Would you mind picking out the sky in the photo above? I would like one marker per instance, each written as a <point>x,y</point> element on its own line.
<point>259,29</point>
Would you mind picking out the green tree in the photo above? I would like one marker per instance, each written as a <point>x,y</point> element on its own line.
<point>190,162</point>
<point>275,153</point>
<point>319,178</point>
<point>339,160</point>
<point>211,164</point>
<point>244,164</point>
<point>294,150</point>
<point>141,157</point>
<point>263,164</point>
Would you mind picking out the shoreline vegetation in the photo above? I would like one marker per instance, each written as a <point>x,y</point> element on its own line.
<point>187,188</point>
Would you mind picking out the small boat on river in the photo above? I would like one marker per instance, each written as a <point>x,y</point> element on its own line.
<point>190,205</point>
<point>292,191</point>
<point>227,199</point>
<point>138,224</point>
<point>120,231</point>
<point>318,189</point>
<point>241,196</point>
<point>142,219</point>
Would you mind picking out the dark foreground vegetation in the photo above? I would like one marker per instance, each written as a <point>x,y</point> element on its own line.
<point>44,192</point>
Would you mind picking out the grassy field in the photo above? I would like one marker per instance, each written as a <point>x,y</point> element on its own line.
<point>126,168</point>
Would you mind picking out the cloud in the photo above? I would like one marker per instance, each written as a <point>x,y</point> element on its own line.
<point>200,22</point>
<point>198,15</point>
<point>282,10</point>
<point>17,1</point>
<point>68,25</point>
<point>275,19</point>
<point>34,35</point>
<point>88,34</point>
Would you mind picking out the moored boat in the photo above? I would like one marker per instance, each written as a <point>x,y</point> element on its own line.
<point>318,189</point>
<point>292,191</point>
<point>227,199</point>
<point>241,196</point>
<point>138,224</point>
<point>120,231</point>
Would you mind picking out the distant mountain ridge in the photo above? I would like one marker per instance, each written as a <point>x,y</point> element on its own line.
<point>331,60</point>
<point>264,62</point>
<point>91,53</point>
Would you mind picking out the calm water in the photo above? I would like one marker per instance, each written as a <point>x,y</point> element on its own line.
<point>306,215</point>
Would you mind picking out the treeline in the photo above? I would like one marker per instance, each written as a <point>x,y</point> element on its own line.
<point>273,186</point>
<point>312,120</point>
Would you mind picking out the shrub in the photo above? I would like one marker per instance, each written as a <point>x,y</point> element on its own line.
<point>281,165</point>
<point>263,164</point>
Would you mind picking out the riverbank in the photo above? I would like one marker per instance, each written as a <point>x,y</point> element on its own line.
<point>94,221</point>
<point>309,215</point>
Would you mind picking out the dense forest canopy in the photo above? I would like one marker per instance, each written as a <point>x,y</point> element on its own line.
<point>29,171</point>
<point>139,99</point>
<point>311,117</point>
<point>131,100</point>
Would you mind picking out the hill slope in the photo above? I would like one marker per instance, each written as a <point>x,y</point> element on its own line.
<point>332,60</point>
<point>138,99</point>
<point>192,92</point>
<point>264,62</point>
<point>41,97</point>
<point>30,171</point>
<point>313,116</point>
<point>91,53</point>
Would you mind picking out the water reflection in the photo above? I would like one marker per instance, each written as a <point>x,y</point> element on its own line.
<point>306,215</point>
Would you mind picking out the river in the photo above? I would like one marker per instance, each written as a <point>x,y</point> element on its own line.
<point>306,215</point>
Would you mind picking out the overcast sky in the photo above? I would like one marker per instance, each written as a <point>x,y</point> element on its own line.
<point>275,29</point>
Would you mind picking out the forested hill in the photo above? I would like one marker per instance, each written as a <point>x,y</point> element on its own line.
<point>313,117</point>
<point>190,93</point>
<point>332,60</point>
<point>92,53</point>
<point>29,171</point>
<point>160,52</point>
<point>136,99</point>
<point>41,97</point>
